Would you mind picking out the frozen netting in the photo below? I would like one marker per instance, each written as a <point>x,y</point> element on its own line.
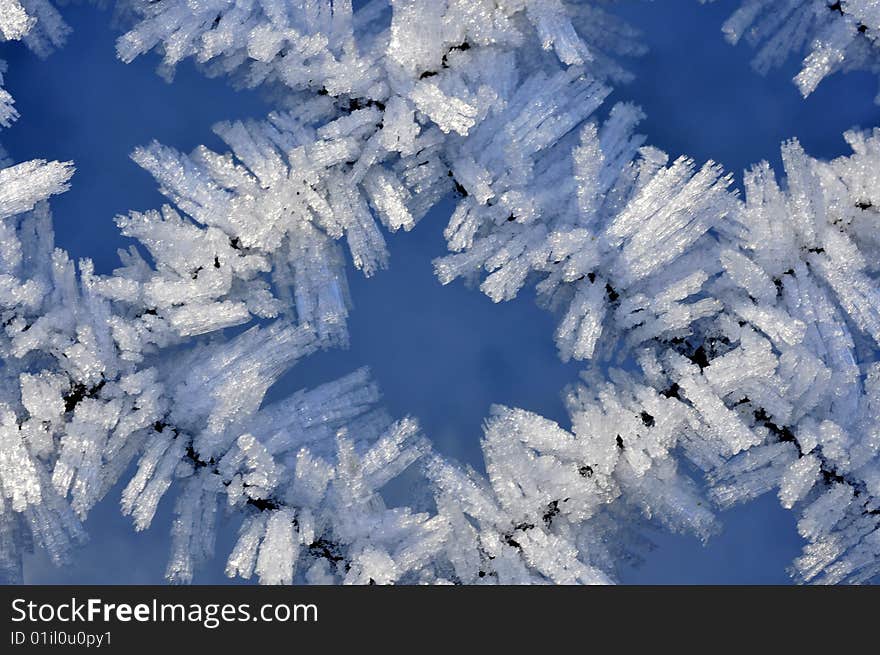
<point>723,338</point>
<point>837,36</point>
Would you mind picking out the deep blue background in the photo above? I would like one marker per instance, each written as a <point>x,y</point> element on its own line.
<point>441,354</point>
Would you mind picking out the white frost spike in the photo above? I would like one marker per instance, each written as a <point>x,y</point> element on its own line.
<point>556,31</point>
<point>748,275</point>
<point>311,477</point>
<point>671,213</point>
<point>278,551</point>
<point>752,473</point>
<point>46,31</point>
<point>18,473</point>
<point>727,427</point>
<point>153,478</point>
<point>580,329</point>
<point>449,113</point>
<point>14,20</point>
<point>372,566</point>
<point>232,379</point>
<point>192,535</point>
<point>24,185</point>
<point>243,557</point>
<point>260,473</point>
<point>798,479</point>
<point>823,513</point>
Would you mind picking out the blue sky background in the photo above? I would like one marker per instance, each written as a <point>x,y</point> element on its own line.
<point>441,354</point>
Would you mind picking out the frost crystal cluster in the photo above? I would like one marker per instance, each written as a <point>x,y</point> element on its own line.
<point>728,343</point>
<point>836,35</point>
